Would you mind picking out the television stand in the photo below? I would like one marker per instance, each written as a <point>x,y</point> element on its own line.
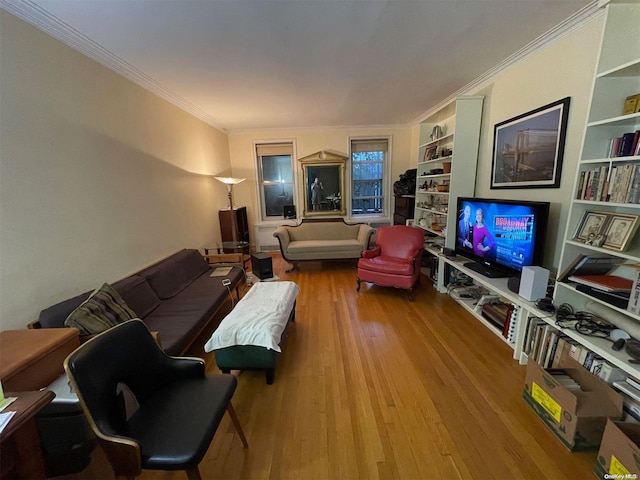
<point>515,335</point>
<point>484,270</point>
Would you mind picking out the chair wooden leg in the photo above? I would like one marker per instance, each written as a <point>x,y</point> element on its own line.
<point>193,474</point>
<point>236,423</point>
<point>358,289</point>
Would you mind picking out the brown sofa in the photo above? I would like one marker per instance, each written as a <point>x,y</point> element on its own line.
<point>176,297</point>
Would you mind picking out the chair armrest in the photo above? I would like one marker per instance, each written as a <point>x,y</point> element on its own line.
<point>371,253</point>
<point>364,235</point>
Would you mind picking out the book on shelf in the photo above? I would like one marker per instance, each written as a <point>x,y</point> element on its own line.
<point>617,299</point>
<point>589,265</point>
<point>633,305</point>
<point>630,390</point>
<point>634,382</point>
<point>607,283</point>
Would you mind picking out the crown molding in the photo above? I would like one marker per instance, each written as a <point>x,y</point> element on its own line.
<point>583,16</point>
<point>53,26</point>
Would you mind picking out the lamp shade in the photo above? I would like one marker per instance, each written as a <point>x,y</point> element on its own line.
<point>229,180</point>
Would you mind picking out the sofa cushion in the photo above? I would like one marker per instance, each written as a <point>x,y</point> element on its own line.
<point>55,315</point>
<point>323,246</point>
<point>138,295</point>
<point>105,308</point>
<point>173,274</point>
<point>178,320</point>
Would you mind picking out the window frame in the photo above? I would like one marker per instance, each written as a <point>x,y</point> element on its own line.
<point>386,176</point>
<point>260,182</point>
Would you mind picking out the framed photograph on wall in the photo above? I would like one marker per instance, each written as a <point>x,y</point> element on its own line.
<point>528,149</point>
<point>591,225</point>
<point>619,231</point>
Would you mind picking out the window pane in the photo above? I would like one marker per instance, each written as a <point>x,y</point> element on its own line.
<point>276,178</point>
<point>368,165</point>
<point>276,197</point>
<point>277,168</point>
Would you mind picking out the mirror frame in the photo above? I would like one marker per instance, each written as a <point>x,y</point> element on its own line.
<point>328,165</point>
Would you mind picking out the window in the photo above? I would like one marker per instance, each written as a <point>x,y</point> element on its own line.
<point>275,172</point>
<point>369,164</point>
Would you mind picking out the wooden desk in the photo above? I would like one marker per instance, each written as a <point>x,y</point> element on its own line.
<point>20,453</point>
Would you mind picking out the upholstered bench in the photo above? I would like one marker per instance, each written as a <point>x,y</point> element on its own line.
<point>249,337</point>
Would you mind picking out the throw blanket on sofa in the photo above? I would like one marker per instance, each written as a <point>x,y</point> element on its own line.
<point>258,319</point>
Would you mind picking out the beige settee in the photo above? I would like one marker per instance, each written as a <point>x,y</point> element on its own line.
<point>330,239</point>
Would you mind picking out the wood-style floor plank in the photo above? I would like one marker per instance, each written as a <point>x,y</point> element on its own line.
<point>372,386</point>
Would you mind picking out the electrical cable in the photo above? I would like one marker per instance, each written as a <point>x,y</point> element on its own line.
<point>582,322</point>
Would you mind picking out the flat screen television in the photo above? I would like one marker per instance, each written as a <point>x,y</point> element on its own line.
<point>501,236</point>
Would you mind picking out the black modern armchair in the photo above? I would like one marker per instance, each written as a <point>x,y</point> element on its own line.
<point>176,407</point>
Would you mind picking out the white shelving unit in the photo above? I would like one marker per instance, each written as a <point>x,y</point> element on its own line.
<point>498,286</point>
<point>617,76</point>
<point>459,125</point>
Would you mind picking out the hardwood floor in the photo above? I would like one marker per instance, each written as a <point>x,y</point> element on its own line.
<point>370,385</point>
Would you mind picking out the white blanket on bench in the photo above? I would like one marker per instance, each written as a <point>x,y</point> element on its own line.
<point>258,319</point>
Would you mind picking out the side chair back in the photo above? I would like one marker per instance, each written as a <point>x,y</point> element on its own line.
<point>177,408</point>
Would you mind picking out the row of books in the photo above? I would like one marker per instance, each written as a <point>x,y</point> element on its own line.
<point>504,316</point>
<point>618,184</point>
<point>548,346</point>
<point>626,145</point>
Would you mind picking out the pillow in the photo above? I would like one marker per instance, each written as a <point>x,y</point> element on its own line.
<point>104,309</point>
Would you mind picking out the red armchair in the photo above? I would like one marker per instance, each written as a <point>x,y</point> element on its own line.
<point>396,260</point>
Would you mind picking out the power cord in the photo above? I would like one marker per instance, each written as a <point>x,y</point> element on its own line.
<point>582,322</point>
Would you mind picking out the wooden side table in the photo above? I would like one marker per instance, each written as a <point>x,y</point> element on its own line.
<point>20,452</point>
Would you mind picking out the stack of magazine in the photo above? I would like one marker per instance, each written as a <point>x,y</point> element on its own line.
<point>592,276</point>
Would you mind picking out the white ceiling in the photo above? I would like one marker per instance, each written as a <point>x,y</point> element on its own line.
<point>262,64</point>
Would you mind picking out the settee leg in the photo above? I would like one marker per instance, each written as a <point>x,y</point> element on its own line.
<point>294,264</point>
<point>358,289</point>
<point>270,374</point>
<point>411,294</point>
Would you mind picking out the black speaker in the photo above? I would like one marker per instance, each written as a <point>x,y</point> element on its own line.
<point>513,284</point>
<point>261,265</point>
<point>289,211</point>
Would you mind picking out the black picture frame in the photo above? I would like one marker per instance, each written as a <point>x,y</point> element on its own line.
<point>528,149</point>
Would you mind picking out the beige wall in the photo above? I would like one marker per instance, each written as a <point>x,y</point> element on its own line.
<point>565,68</point>
<point>306,142</point>
<point>98,177</point>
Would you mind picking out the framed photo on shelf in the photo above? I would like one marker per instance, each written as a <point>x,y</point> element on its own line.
<point>429,153</point>
<point>528,149</point>
<point>591,225</point>
<point>619,231</point>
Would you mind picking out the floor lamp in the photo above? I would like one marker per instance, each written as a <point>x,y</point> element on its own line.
<point>229,182</point>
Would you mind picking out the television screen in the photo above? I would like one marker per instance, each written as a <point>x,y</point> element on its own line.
<point>501,236</point>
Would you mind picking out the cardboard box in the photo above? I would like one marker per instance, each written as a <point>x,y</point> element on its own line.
<point>619,455</point>
<point>576,417</point>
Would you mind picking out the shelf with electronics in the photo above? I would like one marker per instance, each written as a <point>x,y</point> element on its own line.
<point>607,182</point>
<point>493,290</point>
<point>446,163</point>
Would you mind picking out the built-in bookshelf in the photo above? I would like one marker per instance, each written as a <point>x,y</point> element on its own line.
<point>447,160</point>
<point>446,163</point>
<point>607,182</point>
